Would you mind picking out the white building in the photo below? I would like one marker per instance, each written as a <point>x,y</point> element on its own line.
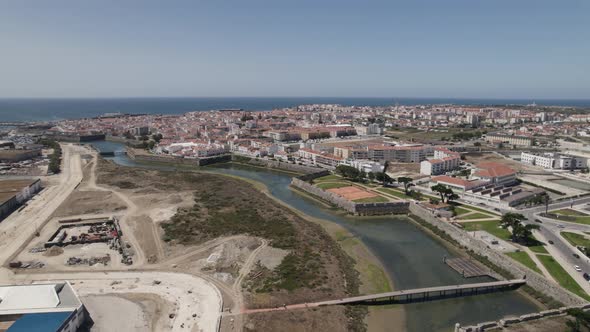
<point>41,307</point>
<point>371,129</point>
<point>553,160</point>
<point>444,161</point>
<point>367,166</point>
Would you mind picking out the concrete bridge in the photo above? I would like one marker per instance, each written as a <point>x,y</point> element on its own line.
<point>430,293</point>
<point>404,296</point>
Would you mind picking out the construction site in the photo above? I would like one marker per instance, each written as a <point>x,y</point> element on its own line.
<point>77,242</point>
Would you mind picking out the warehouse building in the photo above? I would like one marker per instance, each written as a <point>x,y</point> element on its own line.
<point>42,307</point>
<point>13,193</point>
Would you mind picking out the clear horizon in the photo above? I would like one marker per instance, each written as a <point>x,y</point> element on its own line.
<point>529,50</point>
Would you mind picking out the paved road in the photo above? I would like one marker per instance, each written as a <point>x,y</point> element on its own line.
<point>561,250</point>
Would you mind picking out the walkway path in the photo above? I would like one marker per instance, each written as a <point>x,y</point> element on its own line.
<point>537,262</point>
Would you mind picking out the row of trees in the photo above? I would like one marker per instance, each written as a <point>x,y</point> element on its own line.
<point>55,157</point>
<point>446,194</point>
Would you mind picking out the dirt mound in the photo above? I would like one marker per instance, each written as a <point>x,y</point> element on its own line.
<point>54,251</point>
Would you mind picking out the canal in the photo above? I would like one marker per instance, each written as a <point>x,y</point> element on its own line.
<point>412,258</point>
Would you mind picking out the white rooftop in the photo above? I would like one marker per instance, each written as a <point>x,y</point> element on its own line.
<point>28,297</point>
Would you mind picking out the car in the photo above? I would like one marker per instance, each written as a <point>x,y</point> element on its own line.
<point>586,276</point>
<point>496,209</point>
<point>576,255</point>
<point>539,221</point>
<point>550,242</point>
<point>577,268</point>
<point>561,226</point>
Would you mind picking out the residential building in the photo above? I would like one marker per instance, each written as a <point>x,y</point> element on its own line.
<point>444,160</point>
<point>367,166</point>
<point>553,160</point>
<point>320,158</point>
<point>497,138</point>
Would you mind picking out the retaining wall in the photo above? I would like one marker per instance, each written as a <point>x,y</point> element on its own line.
<point>133,154</point>
<point>534,279</point>
<point>507,321</point>
<point>276,164</point>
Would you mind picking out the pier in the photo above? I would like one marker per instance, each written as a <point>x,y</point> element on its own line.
<point>466,267</point>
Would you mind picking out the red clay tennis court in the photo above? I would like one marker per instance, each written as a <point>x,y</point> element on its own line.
<point>352,193</point>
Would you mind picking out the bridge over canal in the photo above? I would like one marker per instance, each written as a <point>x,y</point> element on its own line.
<point>430,293</point>
<point>409,295</point>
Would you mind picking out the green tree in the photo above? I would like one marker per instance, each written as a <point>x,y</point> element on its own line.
<point>581,318</point>
<point>520,231</point>
<point>407,182</point>
<point>383,178</point>
<point>446,194</point>
<point>371,176</point>
<point>348,172</point>
<point>440,189</point>
<point>157,137</point>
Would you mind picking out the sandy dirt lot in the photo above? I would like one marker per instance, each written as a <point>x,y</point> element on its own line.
<point>107,310</point>
<point>90,202</point>
<point>195,304</point>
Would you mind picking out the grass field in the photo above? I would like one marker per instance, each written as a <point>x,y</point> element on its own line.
<point>476,215</point>
<point>576,239</point>
<point>580,218</point>
<point>331,177</point>
<point>524,258</point>
<point>540,249</point>
<point>331,185</point>
<point>393,192</point>
<point>461,211</point>
<point>492,227</point>
<point>570,212</point>
<point>376,199</point>
<point>400,193</point>
<point>463,206</point>
<point>562,277</point>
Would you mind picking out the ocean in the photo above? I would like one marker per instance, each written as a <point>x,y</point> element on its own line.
<point>58,109</point>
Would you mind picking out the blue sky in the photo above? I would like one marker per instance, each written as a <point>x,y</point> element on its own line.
<point>492,49</point>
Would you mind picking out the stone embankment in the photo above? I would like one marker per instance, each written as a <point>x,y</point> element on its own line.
<point>507,321</point>
<point>517,270</point>
<point>275,164</point>
<point>142,156</point>
<point>303,183</point>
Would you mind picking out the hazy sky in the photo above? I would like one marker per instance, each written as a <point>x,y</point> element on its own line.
<point>438,48</point>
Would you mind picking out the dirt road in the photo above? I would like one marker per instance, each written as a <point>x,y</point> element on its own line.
<point>197,303</point>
